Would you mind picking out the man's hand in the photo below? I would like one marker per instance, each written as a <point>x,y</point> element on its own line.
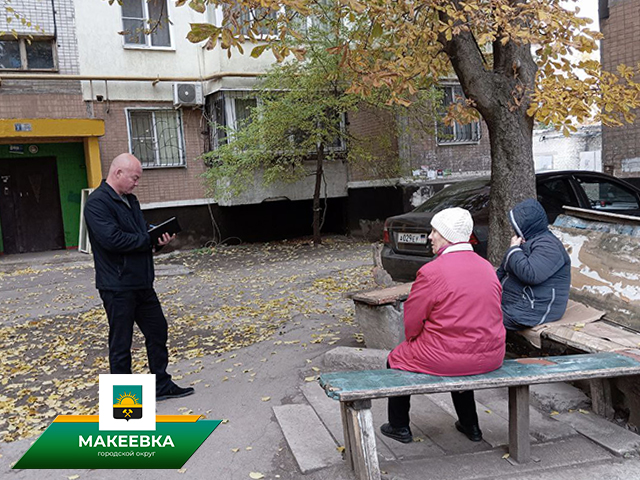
<point>516,241</point>
<point>165,239</point>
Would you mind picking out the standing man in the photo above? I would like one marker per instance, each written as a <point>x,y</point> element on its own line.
<point>123,257</point>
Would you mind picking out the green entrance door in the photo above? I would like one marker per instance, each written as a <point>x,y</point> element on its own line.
<point>30,213</point>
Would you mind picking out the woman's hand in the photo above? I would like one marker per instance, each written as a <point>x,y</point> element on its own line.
<point>516,241</point>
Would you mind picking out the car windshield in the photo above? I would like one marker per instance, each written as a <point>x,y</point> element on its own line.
<point>472,195</point>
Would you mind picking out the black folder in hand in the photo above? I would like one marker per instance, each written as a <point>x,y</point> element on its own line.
<point>170,226</point>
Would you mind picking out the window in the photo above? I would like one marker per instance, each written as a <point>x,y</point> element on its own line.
<point>243,19</point>
<point>230,110</point>
<point>155,137</point>
<point>606,195</point>
<point>146,23</point>
<point>456,133</point>
<point>27,54</point>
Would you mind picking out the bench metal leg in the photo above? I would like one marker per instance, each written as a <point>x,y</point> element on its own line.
<point>601,402</point>
<point>360,440</point>
<point>519,443</point>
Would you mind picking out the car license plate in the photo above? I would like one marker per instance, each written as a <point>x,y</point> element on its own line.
<point>420,238</point>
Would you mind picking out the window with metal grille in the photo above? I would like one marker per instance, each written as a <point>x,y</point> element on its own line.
<point>27,54</point>
<point>146,23</point>
<point>456,133</point>
<point>155,137</point>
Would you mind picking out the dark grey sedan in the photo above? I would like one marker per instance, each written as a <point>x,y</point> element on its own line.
<point>407,248</point>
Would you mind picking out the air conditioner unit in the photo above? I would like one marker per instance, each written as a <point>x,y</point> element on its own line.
<point>187,94</point>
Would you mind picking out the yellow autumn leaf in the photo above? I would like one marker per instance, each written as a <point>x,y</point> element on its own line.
<point>256,475</point>
<point>505,456</point>
<point>73,477</point>
<point>309,379</point>
<point>265,399</point>
<point>235,450</point>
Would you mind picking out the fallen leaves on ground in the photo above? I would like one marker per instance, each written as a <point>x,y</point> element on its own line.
<point>237,296</point>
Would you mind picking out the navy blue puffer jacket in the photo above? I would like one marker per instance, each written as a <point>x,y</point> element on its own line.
<point>535,276</point>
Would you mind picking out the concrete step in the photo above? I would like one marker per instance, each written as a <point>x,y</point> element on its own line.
<point>439,425</point>
<point>308,439</point>
<point>421,447</point>
<point>495,428</point>
<point>491,464</point>
<point>617,440</point>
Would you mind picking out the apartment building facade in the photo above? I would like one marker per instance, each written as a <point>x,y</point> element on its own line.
<point>620,26</point>
<point>110,84</point>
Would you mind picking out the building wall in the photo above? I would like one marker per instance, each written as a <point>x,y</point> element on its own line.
<point>421,151</point>
<point>621,45</point>
<point>62,26</point>
<point>98,25</point>
<point>158,185</point>
<point>552,148</point>
<point>375,131</point>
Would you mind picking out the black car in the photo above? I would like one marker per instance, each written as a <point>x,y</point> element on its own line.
<point>407,248</point>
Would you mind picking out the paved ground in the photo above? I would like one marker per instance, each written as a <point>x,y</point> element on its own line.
<point>250,326</point>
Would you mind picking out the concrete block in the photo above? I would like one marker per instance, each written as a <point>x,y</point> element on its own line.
<point>382,325</point>
<point>617,440</point>
<point>309,441</point>
<point>559,397</point>
<point>354,358</point>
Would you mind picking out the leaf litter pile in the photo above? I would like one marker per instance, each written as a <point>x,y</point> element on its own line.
<point>232,297</point>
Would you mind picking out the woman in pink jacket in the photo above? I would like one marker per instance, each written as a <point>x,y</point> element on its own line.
<point>452,321</point>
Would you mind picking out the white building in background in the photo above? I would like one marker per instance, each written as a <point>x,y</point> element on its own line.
<point>581,150</point>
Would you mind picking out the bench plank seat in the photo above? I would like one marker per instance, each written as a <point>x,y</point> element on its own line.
<point>356,389</point>
<point>370,384</point>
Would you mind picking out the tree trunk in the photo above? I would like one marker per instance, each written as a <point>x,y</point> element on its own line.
<point>512,175</point>
<point>317,239</point>
<point>501,93</point>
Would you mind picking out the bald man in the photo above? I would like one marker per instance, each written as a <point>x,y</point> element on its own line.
<point>123,256</point>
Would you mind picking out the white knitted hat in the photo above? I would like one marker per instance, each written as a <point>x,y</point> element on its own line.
<point>454,224</point>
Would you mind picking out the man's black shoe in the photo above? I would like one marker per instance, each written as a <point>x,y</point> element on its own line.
<point>175,392</point>
<point>402,434</point>
<point>472,432</point>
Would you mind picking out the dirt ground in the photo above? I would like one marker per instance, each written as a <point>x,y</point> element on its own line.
<point>53,329</point>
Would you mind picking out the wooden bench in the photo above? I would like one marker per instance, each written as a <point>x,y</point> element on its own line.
<point>355,390</point>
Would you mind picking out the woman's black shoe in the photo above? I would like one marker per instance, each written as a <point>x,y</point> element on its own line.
<point>472,432</point>
<point>402,434</point>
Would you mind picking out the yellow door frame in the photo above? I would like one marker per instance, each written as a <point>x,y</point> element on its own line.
<point>41,130</point>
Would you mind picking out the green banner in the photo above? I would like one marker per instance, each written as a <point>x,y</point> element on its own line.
<point>82,445</point>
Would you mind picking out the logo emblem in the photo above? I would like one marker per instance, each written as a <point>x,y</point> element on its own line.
<point>127,402</point>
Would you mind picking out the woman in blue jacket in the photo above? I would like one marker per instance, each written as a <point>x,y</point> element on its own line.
<point>535,272</point>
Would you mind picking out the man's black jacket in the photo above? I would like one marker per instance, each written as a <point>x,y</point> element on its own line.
<point>121,246</point>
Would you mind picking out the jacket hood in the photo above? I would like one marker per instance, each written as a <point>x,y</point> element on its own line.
<point>529,219</point>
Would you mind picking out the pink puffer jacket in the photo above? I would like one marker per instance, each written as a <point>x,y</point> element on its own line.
<point>452,318</point>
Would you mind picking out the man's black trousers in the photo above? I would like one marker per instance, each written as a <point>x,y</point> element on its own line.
<point>141,307</point>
